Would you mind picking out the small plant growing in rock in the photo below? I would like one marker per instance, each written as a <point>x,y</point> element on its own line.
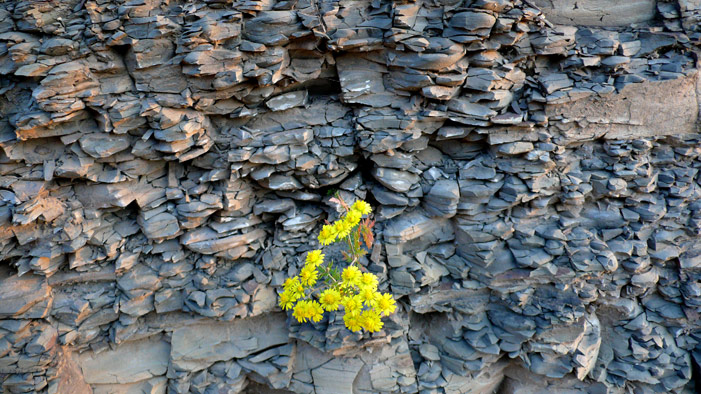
<point>321,287</point>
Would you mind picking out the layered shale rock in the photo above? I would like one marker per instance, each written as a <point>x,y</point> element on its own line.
<point>534,165</point>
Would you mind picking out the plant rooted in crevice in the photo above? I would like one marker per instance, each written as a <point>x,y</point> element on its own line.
<point>322,287</point>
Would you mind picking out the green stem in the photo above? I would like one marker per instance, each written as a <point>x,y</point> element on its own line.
<point>354,246</point>
<point>350,249</point>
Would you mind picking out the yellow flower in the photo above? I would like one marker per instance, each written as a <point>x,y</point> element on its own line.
<point>353,217</point>
<point>364,307</point>
<point>371,321</point>
<point>352,322</point>
<point>362,207</point>
<point>368,280</point>
<point>315,258</point>
<point>330,299</point>
<point>286,300</point>
<point>294,288</point>
<point>308,275</point>
<point>290,283</point>
<point>301,311</point>
<point>352,304</point>
<point>343,228</point>
<point>297,292</point>
<point>369,296</point>
<point>328,234</point>
<point>386,304</point>
<point>351,276</point>
<point>315,311</point>
<point>307,310</point>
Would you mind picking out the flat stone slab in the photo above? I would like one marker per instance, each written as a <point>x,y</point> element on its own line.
<point>597,12</point>
<point>198,346</point>
<point>128,363</point>
<point>635,112</point>
<point>18,294</point>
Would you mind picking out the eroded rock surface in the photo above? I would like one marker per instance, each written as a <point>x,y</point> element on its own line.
<point>165,165</point>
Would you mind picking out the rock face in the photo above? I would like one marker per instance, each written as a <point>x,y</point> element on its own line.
<point>534,165</point>
<point>599,12</point>
<point>131,362</point>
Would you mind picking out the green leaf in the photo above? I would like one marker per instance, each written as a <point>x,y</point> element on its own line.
<point>335,273</point>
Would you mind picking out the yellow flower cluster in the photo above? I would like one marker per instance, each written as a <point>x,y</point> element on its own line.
<point>355,291</point>
<point>308,310</point>
<point>295,288</point>
<point>364,306</point>
<point>340,229</point>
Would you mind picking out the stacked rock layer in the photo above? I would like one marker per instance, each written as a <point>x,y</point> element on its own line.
<point>166,164</point>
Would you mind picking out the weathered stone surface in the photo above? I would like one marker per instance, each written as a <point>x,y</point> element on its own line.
<point>634,112</point>
<point>597,12</point>
<point>442,199</point>
<point>157,385</point>
<point>162,225</point>
<point>128,363</point>
<point>198,346</point>
<point>27,296</point>
<point>336,376</point>
<point>532,166</point>
<point>69,376</point>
